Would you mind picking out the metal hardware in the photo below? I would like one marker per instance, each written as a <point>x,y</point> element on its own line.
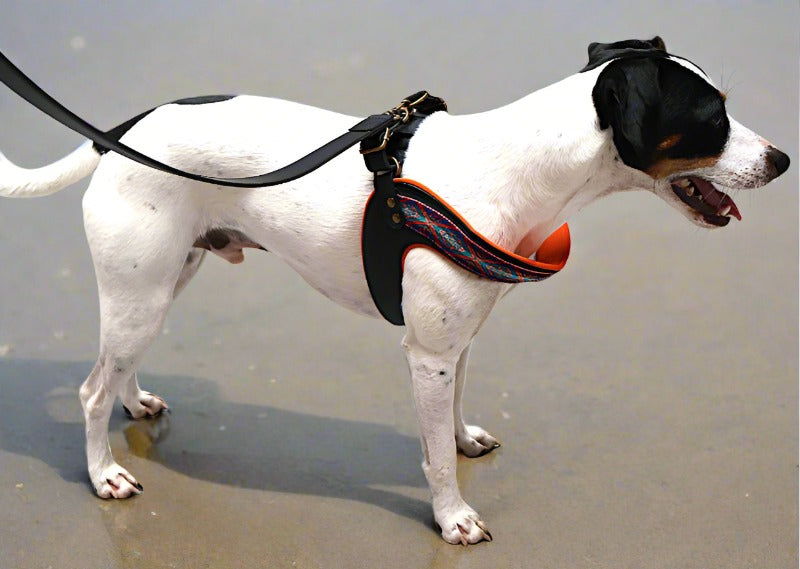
<point>391,202</point>
<point>408,103</point>
<point>382,145</point>
<point>401,113</point>
<point>396,218</point>
<point>398,171</point>
<point>405,109</point>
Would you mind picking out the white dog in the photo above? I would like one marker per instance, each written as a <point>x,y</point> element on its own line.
<point>634,118</point>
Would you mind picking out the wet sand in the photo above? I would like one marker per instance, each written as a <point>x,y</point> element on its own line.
<point>646,397</point>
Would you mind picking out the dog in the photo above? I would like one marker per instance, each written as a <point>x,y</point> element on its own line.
<point>635,118</point>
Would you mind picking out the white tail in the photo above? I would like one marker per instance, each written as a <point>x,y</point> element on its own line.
<point>16,182</point>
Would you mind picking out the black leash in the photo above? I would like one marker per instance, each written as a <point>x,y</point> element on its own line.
<point>375,125</point>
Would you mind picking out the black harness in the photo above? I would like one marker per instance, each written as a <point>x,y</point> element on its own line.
<point>399,215</point>
<point>402,214</point>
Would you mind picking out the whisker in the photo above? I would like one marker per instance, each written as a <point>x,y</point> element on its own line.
<point>728,89</point>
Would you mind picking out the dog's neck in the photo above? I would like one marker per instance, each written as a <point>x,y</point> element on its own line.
<point>519,171</point>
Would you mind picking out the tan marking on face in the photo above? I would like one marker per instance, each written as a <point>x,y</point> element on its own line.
<point>669,142</point>
<point>666,167</point>
<point>724,96</point>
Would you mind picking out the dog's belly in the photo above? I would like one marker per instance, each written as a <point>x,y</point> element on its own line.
<point>316,229</point>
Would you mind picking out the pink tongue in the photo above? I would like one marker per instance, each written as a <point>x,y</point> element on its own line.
<point>727,201</point>
<point>716,198</point>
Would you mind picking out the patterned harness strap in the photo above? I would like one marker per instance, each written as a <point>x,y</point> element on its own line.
<point>428,221</point>
<point>453,237</point>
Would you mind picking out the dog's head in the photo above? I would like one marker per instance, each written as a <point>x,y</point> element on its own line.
<point>669,121</point>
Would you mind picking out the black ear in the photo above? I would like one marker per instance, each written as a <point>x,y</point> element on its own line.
<point>627,98</point>
<point>658,43</point>
<point>599,53</point>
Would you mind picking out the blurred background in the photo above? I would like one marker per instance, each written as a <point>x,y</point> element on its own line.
<point>646,396</point>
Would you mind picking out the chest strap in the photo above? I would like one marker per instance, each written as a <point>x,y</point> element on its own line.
<point>428,221</point>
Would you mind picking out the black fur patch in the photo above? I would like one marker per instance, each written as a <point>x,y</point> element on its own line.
<point>119,131</point>
<point>203,100</point>
<point>645,100</point>
<point>600,53</point>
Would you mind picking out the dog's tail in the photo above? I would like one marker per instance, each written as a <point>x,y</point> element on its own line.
<point>16,182</point>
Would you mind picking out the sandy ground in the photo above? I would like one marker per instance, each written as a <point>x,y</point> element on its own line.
<point>646,397</point>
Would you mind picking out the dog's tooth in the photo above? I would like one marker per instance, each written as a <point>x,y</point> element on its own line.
<point>690,190</point>
<point>683,183</point>
<point>724,211</point>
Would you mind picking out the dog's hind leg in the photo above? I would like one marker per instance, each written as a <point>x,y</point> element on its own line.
<point>129,323</point>
<point>136,285</point>
<point>130,320</point>
<point>97,395</point>
<point>471,440</point>
<point>137,402</point>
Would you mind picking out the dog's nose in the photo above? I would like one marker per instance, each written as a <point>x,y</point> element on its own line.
<point>778,160</point>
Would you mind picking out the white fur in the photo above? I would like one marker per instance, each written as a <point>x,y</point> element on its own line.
<point>515,173</point>
<point>16,182</point>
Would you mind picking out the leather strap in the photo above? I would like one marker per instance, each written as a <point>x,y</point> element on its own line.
<point>372,126</point>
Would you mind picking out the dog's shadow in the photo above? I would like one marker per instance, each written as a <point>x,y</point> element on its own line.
<point>208,438</point>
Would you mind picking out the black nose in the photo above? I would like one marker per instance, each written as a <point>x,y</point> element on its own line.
<point>778,159</point>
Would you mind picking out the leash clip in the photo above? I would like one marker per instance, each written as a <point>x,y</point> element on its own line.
<point>400,113</point>
<point>382,145</point>
<point>405,109</point>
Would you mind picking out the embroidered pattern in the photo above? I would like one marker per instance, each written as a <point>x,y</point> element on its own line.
<point>463,250</point>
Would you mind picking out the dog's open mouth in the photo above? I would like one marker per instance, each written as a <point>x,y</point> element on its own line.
<point>716,207</point>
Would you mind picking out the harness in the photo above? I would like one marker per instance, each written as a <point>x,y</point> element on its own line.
<point>401,214</point>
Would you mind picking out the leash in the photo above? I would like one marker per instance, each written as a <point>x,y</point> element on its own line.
<point>399,215</point>
<point>23,86</point>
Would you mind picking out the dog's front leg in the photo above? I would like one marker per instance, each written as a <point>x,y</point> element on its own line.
<point>433,382</point>
<point>443,307</point>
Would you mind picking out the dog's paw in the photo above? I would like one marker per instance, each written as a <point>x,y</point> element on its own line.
<point>145,404</point>
<point>474,441</point>
<point>463,526</point>
<point>116,482</point>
